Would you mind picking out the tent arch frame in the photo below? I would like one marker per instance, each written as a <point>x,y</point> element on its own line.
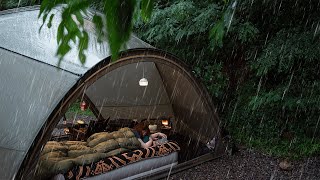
<point>102,68</point>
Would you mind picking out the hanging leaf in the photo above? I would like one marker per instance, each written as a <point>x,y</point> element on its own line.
<point>60,32</point>
<point>83,45</point>
<point>97,20</point>
<point>119,15</point>
<point>50,21</point>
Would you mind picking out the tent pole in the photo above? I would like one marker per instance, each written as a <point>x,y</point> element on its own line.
<point>93,108</point>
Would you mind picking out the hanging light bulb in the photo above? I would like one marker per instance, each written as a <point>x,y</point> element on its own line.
<point>143,82</point>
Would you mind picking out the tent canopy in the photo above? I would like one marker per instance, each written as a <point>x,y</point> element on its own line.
<point>35,94</point>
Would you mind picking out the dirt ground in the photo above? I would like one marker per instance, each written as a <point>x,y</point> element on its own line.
<point>249,164</point>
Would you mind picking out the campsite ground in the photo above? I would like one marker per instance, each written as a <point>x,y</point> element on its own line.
<point>250,164</point>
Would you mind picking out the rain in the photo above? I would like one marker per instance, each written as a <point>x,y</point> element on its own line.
<point>185,89</point>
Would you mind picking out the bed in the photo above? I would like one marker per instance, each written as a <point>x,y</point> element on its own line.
<point>135,170</point>
<point>114,155</point>
<point>129,165</point>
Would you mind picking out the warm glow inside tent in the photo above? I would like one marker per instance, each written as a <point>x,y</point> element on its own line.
<point>35,93</point>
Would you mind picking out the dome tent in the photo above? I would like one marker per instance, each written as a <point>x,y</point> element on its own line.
<point>35,94</point>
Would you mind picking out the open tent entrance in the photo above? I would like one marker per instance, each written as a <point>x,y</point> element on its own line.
<point>148,89</point>
<point>119,98</point>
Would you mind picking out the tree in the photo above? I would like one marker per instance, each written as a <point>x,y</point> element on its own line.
<point>262,74</point>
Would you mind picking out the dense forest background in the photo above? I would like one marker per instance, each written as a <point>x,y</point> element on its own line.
<point>262,70</point>
<point>264,76</point>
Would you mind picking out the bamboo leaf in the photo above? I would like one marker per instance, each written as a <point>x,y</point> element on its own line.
<point>118,27</point>
<point>97,20</point>
<point>50,21</point>
<point>217,33</point>
<point>146,9</point>
<point>60,32</point>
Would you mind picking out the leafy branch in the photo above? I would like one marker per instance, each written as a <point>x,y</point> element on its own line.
<point>115,23</point>
<point>222,26</point>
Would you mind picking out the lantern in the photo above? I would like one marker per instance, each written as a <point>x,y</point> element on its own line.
<point>83,106</point>
<point>165,122</point>
<point>143,82</point>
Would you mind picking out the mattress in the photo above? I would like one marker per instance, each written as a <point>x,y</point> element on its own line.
<point>128,164</point>
<point>140,168</point>
<point>137,169</point>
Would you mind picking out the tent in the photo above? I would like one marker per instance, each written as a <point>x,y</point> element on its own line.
<point>35,92</point>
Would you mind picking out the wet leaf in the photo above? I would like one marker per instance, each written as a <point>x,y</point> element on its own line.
<point>50,21</point>
<point>97,20</point>
<point>217,33</point>
<point>146,9</point>
<point>118,27</point>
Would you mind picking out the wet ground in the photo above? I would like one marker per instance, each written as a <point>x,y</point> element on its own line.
<point>249,164</point>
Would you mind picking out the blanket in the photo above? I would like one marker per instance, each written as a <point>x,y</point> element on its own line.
<point>107,164</point>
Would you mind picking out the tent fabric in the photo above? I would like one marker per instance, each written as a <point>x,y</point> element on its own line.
<point>20,33</point>
<point>32,85</point>
<point>117,95</point>
<point>35,92</point>
<point>30,91</point>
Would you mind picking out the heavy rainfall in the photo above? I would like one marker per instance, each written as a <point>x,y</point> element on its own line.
<point>184,89</point>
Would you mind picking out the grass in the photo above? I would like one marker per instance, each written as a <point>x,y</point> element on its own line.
<point>297,148</point>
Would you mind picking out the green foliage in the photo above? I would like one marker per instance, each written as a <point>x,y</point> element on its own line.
<point>222,26</point>
<point>258,59</point>
<point>283,96</point>
<point>71,28</point>
<point>75,109</point>
<point>261,65</point>
<point>217,34</point>
<point>212,77</point>
<point>290,48</point>
<point>9,4</point>
<point>147,7</point>
<point>247,32</point>
<point>119,15</point>
<point>296,148</point>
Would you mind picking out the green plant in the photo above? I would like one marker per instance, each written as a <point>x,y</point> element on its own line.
<point>75,109</point>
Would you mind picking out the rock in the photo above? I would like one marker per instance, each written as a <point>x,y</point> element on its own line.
<point>285,165</point>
